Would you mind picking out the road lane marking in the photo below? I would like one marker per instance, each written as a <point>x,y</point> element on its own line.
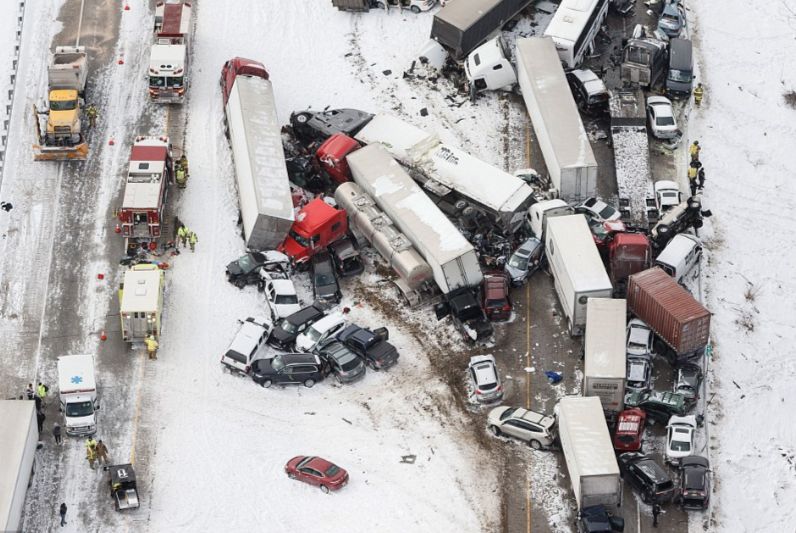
<point>528,389</point>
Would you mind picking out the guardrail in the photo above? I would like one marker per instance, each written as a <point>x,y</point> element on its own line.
<point>9,103</point>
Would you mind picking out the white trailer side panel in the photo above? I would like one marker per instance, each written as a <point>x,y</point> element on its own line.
<point>18,440</point>
<point>501,194</point>
<point>605,367</point>
<point>577,269</point>
<point>263,185</point>
<point>586,443</point>
<point>556,121</point>
<point>452,259</point>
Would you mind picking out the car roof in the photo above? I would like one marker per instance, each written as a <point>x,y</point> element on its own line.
<point>689,420</point>
<point>637,367</point>
<point>533,416</point>
<point>665,185</point>
<point>247,337</point>
<point>318,463</point>
<point>302,315</point>
<point>305,358</point>
<point>639,333</point>
<point>484,368</point>
<point>651,469</point>
<point>283,286</point>
<point>328,322</point>
<point>338,351</point>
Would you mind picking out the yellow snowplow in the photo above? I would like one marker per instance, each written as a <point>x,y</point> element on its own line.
<point>59,131</point>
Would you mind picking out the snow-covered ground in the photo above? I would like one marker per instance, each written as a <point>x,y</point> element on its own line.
<point>746,129</point>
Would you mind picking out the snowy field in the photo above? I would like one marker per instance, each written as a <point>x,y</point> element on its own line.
<point>747,133</point>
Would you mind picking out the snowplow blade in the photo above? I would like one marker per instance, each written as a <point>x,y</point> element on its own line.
<point>79,152</point>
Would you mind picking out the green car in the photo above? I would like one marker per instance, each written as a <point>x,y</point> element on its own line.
<point>658,405</point>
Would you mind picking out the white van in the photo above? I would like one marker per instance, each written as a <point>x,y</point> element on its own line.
<point>247,344</point>
<point>680,256</point>
<point>319,332</point>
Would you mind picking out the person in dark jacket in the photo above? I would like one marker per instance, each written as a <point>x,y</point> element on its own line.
<point>62,512</point>
<point>40,419</point>
<point>57,433</point>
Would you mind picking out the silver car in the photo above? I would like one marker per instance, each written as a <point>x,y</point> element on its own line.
<point>639,373</point>
<point>525,260</point>
<point>639,338</point>
<point>536,429</point>
<point>483,373</point>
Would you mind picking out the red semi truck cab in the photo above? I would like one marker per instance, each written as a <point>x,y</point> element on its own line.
<point>628,253</point>
<point>331,156</point>
<point>239,66</point>
<point>317,226</point>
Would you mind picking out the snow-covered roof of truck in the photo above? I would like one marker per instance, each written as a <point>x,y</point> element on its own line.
<point>587,433</point>
<point>574,243</point>
<point>383,178</point>
<point>605,338</point>
<point>18,417</point>
<point>145,174</point>
<point>167,56</point>
<point>176,19</point>
<point>141,290</point>
<point>462,15</point>
<point>269,186</point>
<point>542,80</point>
<point>570,19</point>
<point>451,167</point>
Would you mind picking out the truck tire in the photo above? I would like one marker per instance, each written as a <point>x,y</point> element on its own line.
<point>303,118</point>
<point>535,444</point>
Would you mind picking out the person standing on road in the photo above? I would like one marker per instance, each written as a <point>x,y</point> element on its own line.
<point>656,510</point>
<point>151,347</point>
<point>192,239</point>
<point>180,177</point>
<point>701,177</point>
<point>57,433</point>
<point>694,150</point>
<point>102,452</point>
<point>91,455</point>
<point>92,113</point>
<point>38,402</point>
<point>182,163</point>
<point>30,392</point>
<point>699,92</point>
<point>692,178</point>
<point>40,420</point>
<point>182,235</point>
<point>41,392</point>
<point>62,512</point>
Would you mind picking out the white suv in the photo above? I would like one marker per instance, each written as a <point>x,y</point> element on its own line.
<point>321,331</point>
<point>484,375</point>
<point>280,293</point>
<point>246,345</point>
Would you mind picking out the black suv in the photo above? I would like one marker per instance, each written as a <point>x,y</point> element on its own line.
<point>245,270</point>
<point>647,477</point>
<point>325,288</point>
<point>286,330</point>
<point>694,493</point>
<point>312,126</point>
<point>371,346</point>
<point>306,368</point>
<point>347,260</point>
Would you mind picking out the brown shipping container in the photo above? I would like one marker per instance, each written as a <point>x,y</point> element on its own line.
<point>676,316</point>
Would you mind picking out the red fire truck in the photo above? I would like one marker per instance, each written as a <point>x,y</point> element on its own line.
<point>150,172</point>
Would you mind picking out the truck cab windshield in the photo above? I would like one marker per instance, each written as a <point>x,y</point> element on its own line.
<point>64,105</point>
<point>303,241</point>
<point>78,409</point>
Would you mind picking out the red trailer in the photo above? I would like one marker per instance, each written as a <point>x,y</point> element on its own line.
<point>317,226</point>
<point>671,312</point>
<point>628,253</point>
<point>150,171</point>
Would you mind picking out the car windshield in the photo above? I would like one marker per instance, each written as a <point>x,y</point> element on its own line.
<point>322,279</point>
<point>303,241</point>
<point>332,470</point>
<point>598,98</point>
<point>607,212</point>
<point>664,121</point>
<point>518,262</point>
<point>247,263</point>
<point>683,76</point>
<point>288,326</point>
<point>507,413</point>
<point>670,18</point>
<point>286,299</point>
<point>174,81</point>
<point>277,364</point>
<point>79,409</point>
<point>65,105</point>
<point>313,335</point>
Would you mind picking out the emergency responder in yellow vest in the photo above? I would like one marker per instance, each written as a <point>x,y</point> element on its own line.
<point>92,113</point>
<point>180,177</point>
<point>699,92</point>
<point>151,347</point>
<point>182,163</point>
<point>694,150</point>
<point>91,455</point>
<point>692,177</point>
<point>182,235</point>
<point>192,239</point>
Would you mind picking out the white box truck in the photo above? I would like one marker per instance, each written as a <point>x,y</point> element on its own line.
<point>556,122</point>
<point>141,302</point>
<point>255,134</point>
<point>578,272</point>
<point>77,393</point>
<point>18,440</point>
<point>589,455</point>
<point>605,365</point>
<point>451,174</point>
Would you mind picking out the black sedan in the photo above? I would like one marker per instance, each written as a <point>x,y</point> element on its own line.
<point>246,270</point>
<point>325,287</point>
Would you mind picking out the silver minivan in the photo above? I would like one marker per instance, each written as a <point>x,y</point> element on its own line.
<point>680,256</point>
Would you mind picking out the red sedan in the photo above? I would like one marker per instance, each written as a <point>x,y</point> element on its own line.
<point>318,472</point>
<point>629,427</point>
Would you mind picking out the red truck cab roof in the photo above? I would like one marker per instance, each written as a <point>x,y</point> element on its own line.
<point>332,156</point>
<point>240,66</point>
<point>317,225</point>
